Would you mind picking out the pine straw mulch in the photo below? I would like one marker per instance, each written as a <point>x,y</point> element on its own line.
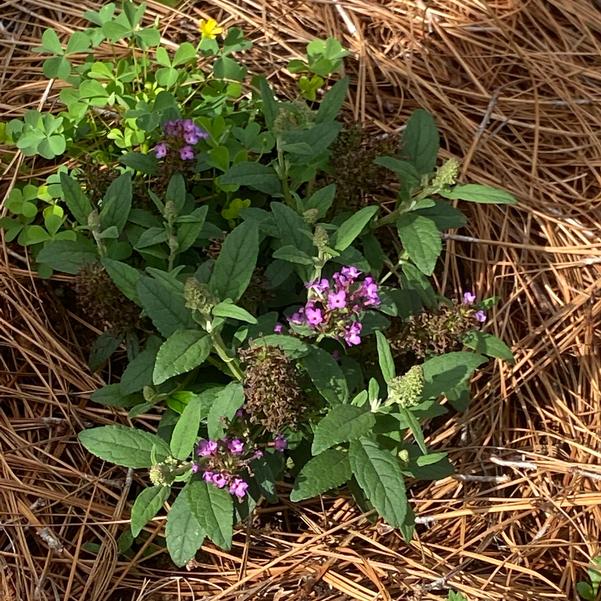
<point>515,88</point>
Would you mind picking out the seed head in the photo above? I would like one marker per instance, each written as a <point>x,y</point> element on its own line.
<point>273,394</point>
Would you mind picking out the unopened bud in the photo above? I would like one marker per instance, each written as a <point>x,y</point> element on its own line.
<point>170,213</point>
<point>320,238</point>
<point>310,216</point>
<point>406,390</point>
<point>404,456</point>
<point>165,473</point>
<point>292,116</point>
<point>94,220</point>
<point>198,296</point>
<point>149,394</point>
<point>446,174</point>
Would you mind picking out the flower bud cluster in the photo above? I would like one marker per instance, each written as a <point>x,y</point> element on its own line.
<point>180,138</point>
<point>469,298</point>
<point>165,473</point>
<point>334,307</point>
<point>220,462</point>
<point>198,296</point>
<point>406,390</point>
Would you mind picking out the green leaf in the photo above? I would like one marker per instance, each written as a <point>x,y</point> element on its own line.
<point>145,163</point>
<point>183,532</point>
<point>115,31</point>
<point>180,353</point>
<point>291,254</point>
<point>138,373</point>
<point>51,43</point>
<point>321,200</point>
<point>385,357</point>
<point>185,432</point>
<point>227,68</point>
<point>52,146</point>
<point>33,234</point>
<point>57,67</point>
<point>307,143</point>
<point>432,466</point>
<point>166,309</point>
<point>78,42</point>
<point>232,311</point>
<point>189,228</point>
<point>214,509</point>
<point>405,171</point>
<point>421,240</point>
<point>332,101</point>
<point>234,41</point>
<point>293,347</point>
<point>124,276</point>
<point>111,396</point>
<point>102,348</point>
<point>489,345</point>
<point>178,401</point>
<point>326,375</point>
<point>228,401</point>
<point>444,215</point>
<point>151,237</point>
<point>292,228</point>
<point>352,227</point>
<point>379,475</point>
<point>186,52</point>
<point>176,191</point>
<point>116,204</point>
<point>343,423</point>
<point>253,175</point>
<point>68,256</point>
<point>269,103</point>
<point>219,157</point>
<point>147,504</point>
<point>149,37</point>
<point>128,447</point>
<point>236,262</point>
<point>94,91</point>
<point>415,428</point>
<point>167,76</point>
<point>416,281</point>
<point>421,141</point>
<point>265,472</point>
<point>480,194</point>
<point>328,470</point>
<point>445,373</point>
<point>110,233</point>
<point>585,591</point>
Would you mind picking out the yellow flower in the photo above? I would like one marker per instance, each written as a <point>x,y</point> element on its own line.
<point>209,29</point>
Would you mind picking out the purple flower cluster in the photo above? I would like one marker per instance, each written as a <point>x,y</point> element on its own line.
<point>469,298</point>
<point>334,307</point>
<point>221,461</point>
<point>181,135</point>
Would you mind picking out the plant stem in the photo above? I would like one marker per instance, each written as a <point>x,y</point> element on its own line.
<point>283,173</point>
<point>231,362</point>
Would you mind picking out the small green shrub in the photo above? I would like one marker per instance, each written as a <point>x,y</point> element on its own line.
<point>257,319</point>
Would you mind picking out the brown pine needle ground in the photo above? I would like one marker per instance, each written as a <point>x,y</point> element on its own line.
<point>515,88</point>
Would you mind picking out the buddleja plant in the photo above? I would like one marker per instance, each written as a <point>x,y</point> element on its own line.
<point>274,335</point>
